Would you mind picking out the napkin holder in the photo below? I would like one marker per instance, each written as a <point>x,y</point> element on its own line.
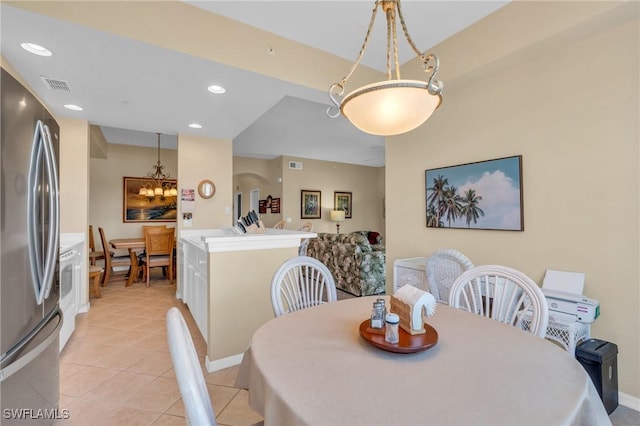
<point>408,302</point>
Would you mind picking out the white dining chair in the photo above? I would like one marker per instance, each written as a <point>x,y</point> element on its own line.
<point>503,294</point>
<point>442,268</point>
<point>299,283</point>
<point>193,388</point>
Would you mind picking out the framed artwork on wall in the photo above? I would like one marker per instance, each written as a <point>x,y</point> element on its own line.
<point>310,204</point>
<point>140,208</point>
<point>342,201</point>
<point>275,205</point>
<point>480,195</point>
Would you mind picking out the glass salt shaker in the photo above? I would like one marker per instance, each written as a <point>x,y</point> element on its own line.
<point>391,329</point>
<point>377,315</point>
<point>384,310</point>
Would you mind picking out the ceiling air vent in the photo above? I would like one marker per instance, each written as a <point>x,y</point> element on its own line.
<point>56,84</point>
<point>295,165</point>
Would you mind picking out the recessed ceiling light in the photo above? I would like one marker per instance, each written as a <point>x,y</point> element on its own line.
<point>73,107</point>
<point>218,90</point>
<point>36,49</point>
<point>195,126</point>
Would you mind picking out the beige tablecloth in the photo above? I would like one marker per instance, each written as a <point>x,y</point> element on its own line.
<point>312,367</point>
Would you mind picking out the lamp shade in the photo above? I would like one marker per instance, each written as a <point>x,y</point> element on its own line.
<point>390,107</point>
<point>143,191</point>
<point>337,215</point>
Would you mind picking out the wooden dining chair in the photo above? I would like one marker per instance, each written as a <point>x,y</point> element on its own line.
<point>111,261</point>
<point>155,229</point>
<point>158,252</point>
<point>301,282</point>
<point>502,294</point>
<point>94,255</point>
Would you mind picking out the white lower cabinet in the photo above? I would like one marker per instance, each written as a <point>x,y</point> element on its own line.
<point>195,282</point>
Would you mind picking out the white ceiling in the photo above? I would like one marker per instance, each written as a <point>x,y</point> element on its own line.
<point>133,90</point>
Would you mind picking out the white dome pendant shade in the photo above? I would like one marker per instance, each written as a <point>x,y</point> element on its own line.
<point>393,106</point>
<point>390,107</point>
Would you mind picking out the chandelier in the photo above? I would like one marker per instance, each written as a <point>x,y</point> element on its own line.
<point>393,106</point>
<point>156,184</point>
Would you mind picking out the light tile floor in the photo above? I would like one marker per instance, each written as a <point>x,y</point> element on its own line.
<point>116,368</point>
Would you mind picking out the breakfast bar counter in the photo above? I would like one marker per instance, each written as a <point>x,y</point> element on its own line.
<point>225,279</point>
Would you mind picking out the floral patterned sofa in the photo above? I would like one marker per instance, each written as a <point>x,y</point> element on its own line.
<point>357,266</point>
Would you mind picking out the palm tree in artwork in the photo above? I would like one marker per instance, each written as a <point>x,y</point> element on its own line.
<point>452,204</point>
<point>470,210</point>
<point>436,199</point>
<point>432,218</point>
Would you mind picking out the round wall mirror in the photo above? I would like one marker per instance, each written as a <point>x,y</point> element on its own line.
<point>206,188</point>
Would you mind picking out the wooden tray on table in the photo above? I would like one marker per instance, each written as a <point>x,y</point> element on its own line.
<point>408,343</point>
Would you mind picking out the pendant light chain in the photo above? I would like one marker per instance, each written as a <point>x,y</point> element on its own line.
<point>363,48</point>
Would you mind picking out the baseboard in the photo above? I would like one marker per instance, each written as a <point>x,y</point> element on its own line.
<point>219,364</point>
<point>83,309</point>
<point>629,401</point>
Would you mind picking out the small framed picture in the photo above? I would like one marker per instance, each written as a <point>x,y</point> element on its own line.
<point>310,204</point>
<point>342,201</point>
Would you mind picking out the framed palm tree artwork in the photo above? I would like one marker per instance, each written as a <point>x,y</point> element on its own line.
<point>481,195</point>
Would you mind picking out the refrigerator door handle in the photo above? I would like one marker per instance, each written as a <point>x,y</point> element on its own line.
<point>54,215</point>
<point>42,155</point>
<point>34,187</point>
<point>18,364</point>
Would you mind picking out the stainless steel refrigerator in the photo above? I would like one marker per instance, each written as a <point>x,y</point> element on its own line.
<point>30,319</point>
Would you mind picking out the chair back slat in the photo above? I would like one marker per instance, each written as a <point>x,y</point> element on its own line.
<point>92,243</point>
<point>502,294</point>
<point>299,283</point>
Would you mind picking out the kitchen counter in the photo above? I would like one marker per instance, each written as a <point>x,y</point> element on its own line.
<point>225,279</point>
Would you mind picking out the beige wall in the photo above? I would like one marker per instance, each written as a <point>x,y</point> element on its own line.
<point>569,106</point>
<point>74,173</point>
<point>205,158</point>
<point>364,182</point>
<point>106,186</point>
<point>261,174</point>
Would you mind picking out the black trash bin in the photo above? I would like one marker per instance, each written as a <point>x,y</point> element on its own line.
<point>600,359</point>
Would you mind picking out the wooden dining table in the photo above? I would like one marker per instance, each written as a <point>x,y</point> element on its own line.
<point>133,245</point>
<point>312,367</point>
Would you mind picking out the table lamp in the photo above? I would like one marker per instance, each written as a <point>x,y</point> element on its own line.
<point>337,216</point>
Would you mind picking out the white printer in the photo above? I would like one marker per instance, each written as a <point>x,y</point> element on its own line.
<point>563,291</point>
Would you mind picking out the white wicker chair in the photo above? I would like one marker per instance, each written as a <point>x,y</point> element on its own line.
<point>442,268</point>
<point>299,283</point>
<point>503,294</point>
<point>185,361</point>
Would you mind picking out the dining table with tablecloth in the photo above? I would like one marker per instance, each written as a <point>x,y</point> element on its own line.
<point>312,367</point>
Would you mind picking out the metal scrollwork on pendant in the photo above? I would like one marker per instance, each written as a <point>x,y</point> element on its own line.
<point>335,91</point>
<point>431,65</point>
